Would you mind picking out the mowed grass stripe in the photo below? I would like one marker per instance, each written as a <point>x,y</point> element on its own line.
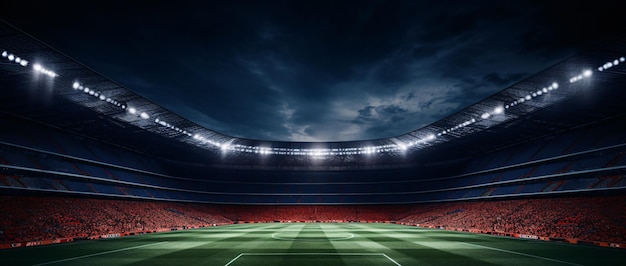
<point>522,254</point>
<point>410,252</point>
<point>216,250</point>
<point>406,245</point>
<point>97,254</point>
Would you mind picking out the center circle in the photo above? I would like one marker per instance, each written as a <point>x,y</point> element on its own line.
<point>308,236</point>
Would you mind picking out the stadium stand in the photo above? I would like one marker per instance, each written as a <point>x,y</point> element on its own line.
<point>103,172</point>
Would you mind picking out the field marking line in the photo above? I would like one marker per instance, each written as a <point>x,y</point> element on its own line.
<point>233,260</point>
<point>392,260</point>
<point>312,253</point>
<point>99,253</point>
<point>275,236</point>
<point>523,254</point>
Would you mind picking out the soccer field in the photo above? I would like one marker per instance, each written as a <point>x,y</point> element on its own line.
<point>313,244</point>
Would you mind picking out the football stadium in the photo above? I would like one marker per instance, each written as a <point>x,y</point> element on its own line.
<point>92,173</point>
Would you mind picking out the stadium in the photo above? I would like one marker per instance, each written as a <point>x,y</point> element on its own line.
<point>93,173</point>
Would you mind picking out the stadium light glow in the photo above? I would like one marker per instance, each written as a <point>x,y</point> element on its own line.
<point>144,115</point>
<point>39,68</point>
<point>132,110</point>
<point>611,64</point>
<point>585,74</point>
<point>498,110</point>
<point>15,59</point>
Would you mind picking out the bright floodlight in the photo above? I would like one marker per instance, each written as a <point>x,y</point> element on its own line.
<point>24,63</point>
<point>132,110</point>
<point>485,115</point>
<point>587,73</point>
<point>224,147</point>
<point>498,110</point>
<point>5,54</point>
<point>528,97</point>
<point>11,57</point>
<point>144,115</point>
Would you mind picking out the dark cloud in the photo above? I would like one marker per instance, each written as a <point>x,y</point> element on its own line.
<point>316,70</point>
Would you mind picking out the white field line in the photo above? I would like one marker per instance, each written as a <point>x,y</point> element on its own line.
<point>312,253</point>
<point>99,253</point>
<point>392,260</point>
<point>522,254</point>
<point>233,260</point>
<point>276,236</point>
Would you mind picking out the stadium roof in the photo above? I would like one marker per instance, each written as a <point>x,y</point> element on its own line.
<point>45,85</point>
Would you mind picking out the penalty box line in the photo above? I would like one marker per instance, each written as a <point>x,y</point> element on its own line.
<point>312,253</point>
<point>521,254</point>
<point>99,253</point>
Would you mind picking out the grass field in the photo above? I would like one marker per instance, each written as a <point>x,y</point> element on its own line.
<point>313,244</point>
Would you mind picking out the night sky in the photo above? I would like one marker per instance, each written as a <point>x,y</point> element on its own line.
<point>317,70</point>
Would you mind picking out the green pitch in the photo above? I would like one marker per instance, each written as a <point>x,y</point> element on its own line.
<point>313,244</point>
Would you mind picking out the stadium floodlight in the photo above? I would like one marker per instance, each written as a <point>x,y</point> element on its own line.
<point>498,110</point>
<point>587,73</point>
<point>225,147</point>
<point>5,53</point>
<point>528,97</point>
<point>485,115</point>
<point>102,97</point>
<point>24,63</point>
<point>39,68</point>
<point>11,57</point>
<point>132,110</point>
<point>144,115</point>
<point>75,85</point>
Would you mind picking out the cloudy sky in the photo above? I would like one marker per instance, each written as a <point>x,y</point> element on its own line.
<point>316,70</point>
